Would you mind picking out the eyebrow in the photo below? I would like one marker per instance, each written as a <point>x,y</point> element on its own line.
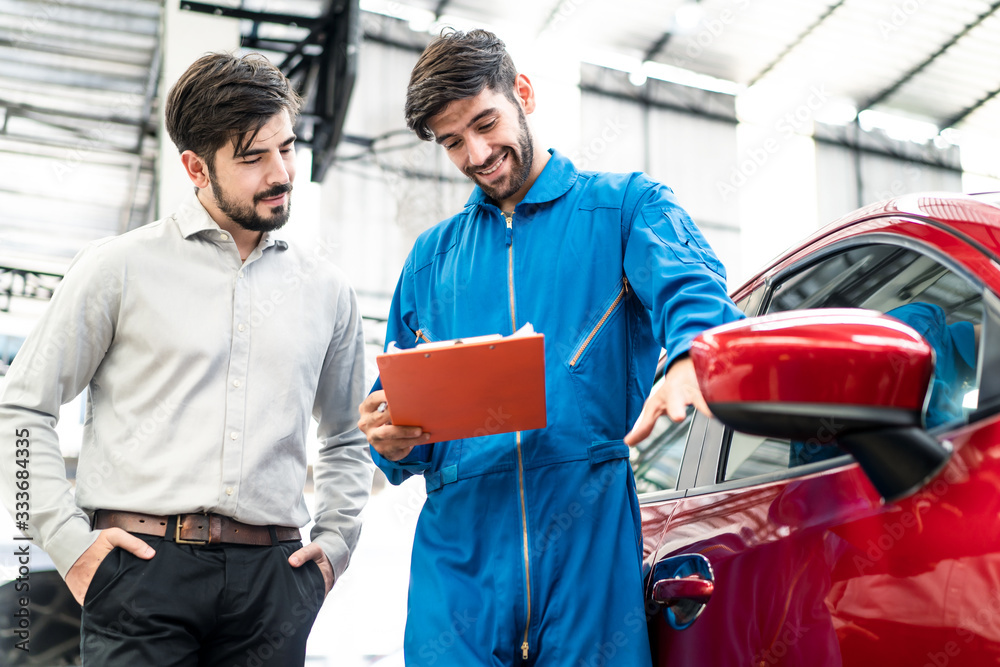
<point>260,151</point>
<point>478,117</point>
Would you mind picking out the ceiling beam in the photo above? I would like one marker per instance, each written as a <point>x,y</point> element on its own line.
<point>646,101</point>
<point>394,43</point>
<point>261,17</point>
<point>77,80</point>
<point>82,18</point>
<point>658,46</point>
<point>53,196</point>
<point>122,57</point>
<point>83,147</point>
<point>968,111</point>
<point>798,40</point>
<point>875,143</point>
<point>37,113</point>
<point>884,94</point>
<point>31,151</point>
<point>119,9</point>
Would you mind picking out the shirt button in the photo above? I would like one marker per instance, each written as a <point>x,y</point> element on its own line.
<point>241,327</point>
<point>237,383</point>
<point>224,237</point>
<point>229,490</point>
<point>240,275</point>
<point>234,435</point>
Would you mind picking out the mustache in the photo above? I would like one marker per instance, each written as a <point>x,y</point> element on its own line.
<point>472,172</point>
<point>273,192</point>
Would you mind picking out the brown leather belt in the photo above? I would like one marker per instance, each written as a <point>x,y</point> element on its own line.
<point>195,528</point>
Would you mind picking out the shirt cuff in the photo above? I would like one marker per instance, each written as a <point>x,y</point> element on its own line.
<point>336,552</point>
<point>66,546</point>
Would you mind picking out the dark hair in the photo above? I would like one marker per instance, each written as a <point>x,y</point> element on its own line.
<point>454,66</point>
<point>221,98</point>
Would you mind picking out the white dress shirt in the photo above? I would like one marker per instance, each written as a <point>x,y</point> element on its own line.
<point>203,371</point>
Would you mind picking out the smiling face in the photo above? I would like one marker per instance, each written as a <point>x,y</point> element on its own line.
<point>253,190</point>
<point>487,138</point>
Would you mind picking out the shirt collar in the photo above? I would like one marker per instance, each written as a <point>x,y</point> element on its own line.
<point>193,218</point>
<point>556,179</point>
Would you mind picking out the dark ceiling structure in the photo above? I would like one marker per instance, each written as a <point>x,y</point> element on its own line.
<point>78,91</point>
<point>318,52</point>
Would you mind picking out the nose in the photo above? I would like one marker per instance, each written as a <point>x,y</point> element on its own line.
<point>479,150</point>
<point>279,171</point>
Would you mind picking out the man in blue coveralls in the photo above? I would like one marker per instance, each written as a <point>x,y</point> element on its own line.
<point>528,550</point>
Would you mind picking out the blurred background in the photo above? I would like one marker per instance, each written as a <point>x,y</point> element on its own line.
<point>768,118</point>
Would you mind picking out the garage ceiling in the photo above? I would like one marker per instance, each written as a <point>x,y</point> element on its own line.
<point>77,90</point>
<point>78,105</point>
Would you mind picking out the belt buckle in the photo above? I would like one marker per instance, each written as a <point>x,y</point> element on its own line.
<point>177,532</point>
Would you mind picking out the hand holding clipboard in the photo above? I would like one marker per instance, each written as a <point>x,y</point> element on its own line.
<point>467,388</point>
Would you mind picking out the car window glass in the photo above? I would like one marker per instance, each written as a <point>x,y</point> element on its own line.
<point>944,307</point>
<point>656,460</point>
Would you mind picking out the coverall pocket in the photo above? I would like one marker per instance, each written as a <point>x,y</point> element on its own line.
<point>683,238</point>
<point>600,322</point>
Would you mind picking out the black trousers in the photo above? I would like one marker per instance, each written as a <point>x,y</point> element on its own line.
<point>190,605</point>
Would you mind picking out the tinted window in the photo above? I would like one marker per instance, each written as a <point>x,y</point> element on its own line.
<point>944,307</point>
<point>657,459</point>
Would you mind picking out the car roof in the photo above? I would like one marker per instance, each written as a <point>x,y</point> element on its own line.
<point>973,216</point>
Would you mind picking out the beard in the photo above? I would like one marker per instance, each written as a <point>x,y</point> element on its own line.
<point>520,166</point>
<point>246,216</point>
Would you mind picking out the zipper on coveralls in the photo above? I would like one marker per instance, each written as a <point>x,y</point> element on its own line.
<point>604,318</point>
<point>420,334</point>
<point>520,461</point>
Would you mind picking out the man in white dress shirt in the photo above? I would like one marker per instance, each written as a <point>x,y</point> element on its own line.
<point>207,344</point>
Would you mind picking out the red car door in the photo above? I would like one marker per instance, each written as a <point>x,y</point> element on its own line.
<point>809,565</point>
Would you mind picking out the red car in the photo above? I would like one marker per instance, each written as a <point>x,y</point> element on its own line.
<point>843,508</point>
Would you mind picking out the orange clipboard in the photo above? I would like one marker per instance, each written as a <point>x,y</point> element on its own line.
<point>460,389</point>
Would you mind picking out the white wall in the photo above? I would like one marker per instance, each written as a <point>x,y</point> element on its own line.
<point>186,37</point>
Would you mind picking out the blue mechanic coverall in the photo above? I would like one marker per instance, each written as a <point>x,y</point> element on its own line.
<point>528,550</point>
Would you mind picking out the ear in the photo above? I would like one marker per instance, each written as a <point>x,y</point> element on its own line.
<point>196,168</point>
<point>525,92</point>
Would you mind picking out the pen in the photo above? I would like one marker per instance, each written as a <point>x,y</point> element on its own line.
<point>382,406</point>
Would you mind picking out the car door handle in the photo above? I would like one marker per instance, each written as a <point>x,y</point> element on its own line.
<point>692,587</point>
<point>682,585</point>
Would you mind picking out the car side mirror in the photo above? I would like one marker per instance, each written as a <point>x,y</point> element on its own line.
<point>857,374</point>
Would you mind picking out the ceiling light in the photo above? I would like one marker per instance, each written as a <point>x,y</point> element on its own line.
<point>637,78</point>
<point>688,17</point>
<point>423,22</point>
<point>898,127</point>
<point>611,60</point>
<point>639,71</point>
<point>837,111</point>
<point>686,77</point>
<point>419,20</point>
